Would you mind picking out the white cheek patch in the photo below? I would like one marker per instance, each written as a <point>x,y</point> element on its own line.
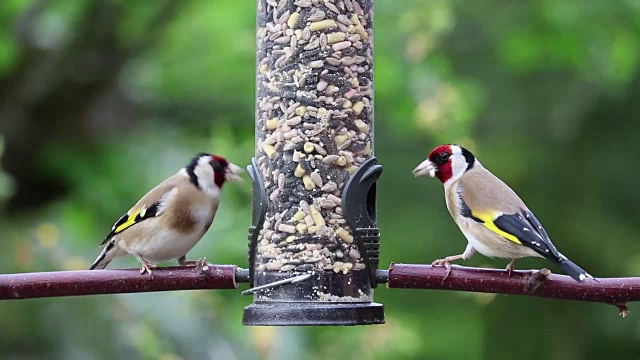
<point>458,162</point>
<point>458,166</point>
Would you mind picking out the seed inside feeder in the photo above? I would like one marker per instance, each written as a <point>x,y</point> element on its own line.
<point>314,128</point>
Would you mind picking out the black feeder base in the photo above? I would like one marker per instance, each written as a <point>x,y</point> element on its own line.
<point>279,313</point>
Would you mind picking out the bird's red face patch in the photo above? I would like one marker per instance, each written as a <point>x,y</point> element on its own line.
<point>219,159</point>
<point>440,156</point>
<point>219,165</point>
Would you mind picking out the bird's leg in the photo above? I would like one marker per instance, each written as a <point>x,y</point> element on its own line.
<point>146,266</point>
<point>184,262</point>
<point>511,267</point>
<point>446,262</point>
<point>200,263</point>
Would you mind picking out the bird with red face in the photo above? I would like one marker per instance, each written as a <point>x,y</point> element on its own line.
<point>171,218</point>
<point>495,221</point>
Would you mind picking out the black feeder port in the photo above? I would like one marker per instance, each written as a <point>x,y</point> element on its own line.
<point>321,297</point>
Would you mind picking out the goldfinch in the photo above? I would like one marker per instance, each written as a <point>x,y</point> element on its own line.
<point>492,217</point>
<point>171,218</point>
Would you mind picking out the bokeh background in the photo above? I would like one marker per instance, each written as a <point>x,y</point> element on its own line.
<point>101,100</point>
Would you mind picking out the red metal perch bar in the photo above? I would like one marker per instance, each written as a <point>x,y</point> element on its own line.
<point>615,291</point>
<point>95,282</point>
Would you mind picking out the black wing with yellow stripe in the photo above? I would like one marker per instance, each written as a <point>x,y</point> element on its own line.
<point>530,232</point>
<point>135,217</point>
<point>526,228</point>
<point>522,228</point>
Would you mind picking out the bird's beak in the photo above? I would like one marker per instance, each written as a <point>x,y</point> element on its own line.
<point>425,167</point>
<point>233,173</point>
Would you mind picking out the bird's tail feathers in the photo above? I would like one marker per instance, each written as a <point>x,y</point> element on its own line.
<point>106,255</point>
<point>573,270</point>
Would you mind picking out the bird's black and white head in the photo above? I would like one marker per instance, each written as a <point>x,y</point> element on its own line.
<point>209,172</point>
<point>447,162</point>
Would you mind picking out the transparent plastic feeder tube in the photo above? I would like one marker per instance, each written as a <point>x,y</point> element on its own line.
<point>314,129</point>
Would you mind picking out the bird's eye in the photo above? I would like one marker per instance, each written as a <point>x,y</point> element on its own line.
<point>216,166</point>
<point>444,156</point>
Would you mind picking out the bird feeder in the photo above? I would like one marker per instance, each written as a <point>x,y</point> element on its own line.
<point>314,241</point>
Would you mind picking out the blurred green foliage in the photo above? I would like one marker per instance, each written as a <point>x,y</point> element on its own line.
<point>100,100</point>
<point>6,183</point>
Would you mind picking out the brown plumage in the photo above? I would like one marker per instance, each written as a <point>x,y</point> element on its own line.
<point>478,181</point>
<point>471,186</point>
<point>171,218</point>
<point>493,218</point>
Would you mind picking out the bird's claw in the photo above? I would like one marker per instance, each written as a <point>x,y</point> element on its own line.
<point>146,267</point>
<point>200,264</point>
<point>442,262</point>
<point>446,262</point>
